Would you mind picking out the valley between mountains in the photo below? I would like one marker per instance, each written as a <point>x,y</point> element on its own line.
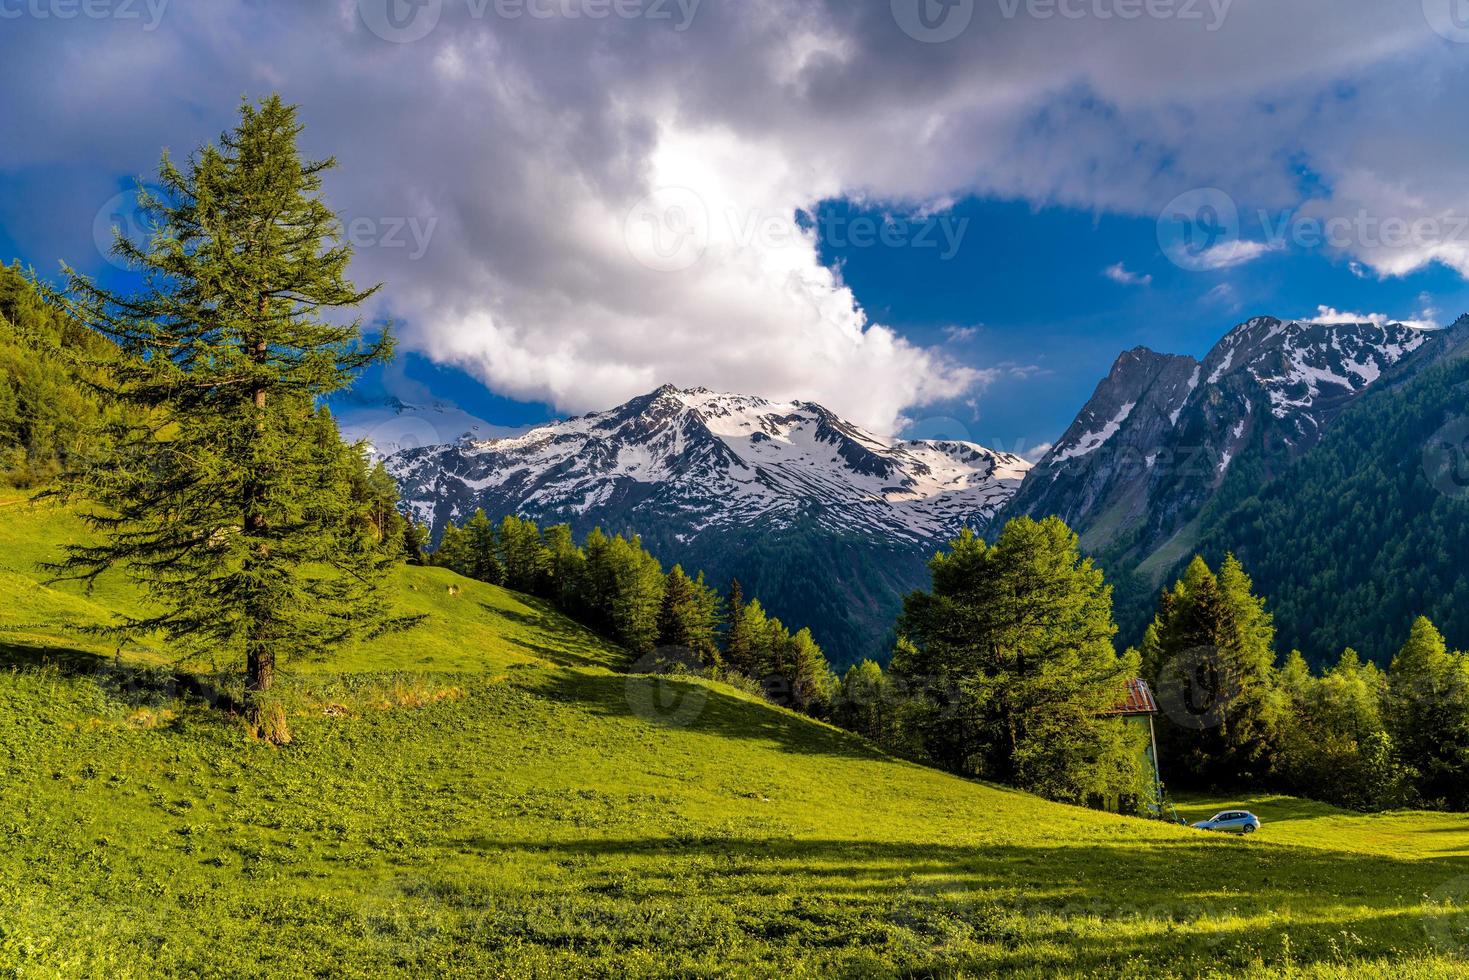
<point>836,523</point>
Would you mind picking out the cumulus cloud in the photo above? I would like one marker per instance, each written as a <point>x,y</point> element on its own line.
<point>610,203</point>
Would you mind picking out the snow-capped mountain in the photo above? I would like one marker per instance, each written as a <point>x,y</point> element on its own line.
<point>1163,433</point>
<point>391,425</point>
<point>697,461</point>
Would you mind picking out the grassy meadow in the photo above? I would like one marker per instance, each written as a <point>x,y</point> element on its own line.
<point>488,794</point>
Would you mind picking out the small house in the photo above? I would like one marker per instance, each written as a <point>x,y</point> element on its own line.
<point>1137,709</point>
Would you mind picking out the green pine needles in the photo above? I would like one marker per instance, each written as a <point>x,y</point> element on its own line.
<point>229,494</point>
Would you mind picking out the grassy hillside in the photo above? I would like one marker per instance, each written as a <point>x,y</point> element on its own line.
<point>488,795</point>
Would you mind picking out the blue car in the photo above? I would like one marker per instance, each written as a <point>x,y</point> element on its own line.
<point>1231,822</point>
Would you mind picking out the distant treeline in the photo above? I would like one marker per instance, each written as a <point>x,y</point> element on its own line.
<point>615,586</point>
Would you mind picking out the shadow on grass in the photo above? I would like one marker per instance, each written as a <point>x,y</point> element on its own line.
<point>133,684</point>
<point>1093,906</point>
<point>564,637</point>
<point>670,702</point>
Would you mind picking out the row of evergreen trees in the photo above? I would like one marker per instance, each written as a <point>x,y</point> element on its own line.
<point>1354,734</point>
<point>1005,670</point>
<point>615,586</point>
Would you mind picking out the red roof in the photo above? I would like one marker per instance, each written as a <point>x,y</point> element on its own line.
<point>1139,700</point>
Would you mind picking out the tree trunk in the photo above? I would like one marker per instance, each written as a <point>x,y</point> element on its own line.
<point>264,716</point>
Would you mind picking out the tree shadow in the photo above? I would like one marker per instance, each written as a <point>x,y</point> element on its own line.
<point>131,683</point>
<point>563,636</point>
<point>700,706</point>
<point>1096,906</point>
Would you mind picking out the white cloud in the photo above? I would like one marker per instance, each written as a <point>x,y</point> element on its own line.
<point>1036,453</point>
<point>1225,294</point>
<point>1330,316</point>
<point>958,335</point>
<point>1228,254</point>
<point>532,141</point>
<point>1119,274</point>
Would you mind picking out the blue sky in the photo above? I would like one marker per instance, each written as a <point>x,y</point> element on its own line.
<point>569,211</point>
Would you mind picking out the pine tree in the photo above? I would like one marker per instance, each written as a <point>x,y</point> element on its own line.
<point>739,639</point>
<point>415,542</point>
<point>524,555</point>
<point>1428,714</point>
<point>1210,656</point>
<point>483,550</point>
<point>453,552</point>
<point>687,616</point>
<point>567,571</point>
<point>230,499</point>
<point>813,685</point>
<point>377,492</point>
<point>862,704</point>
<point>637,595</point>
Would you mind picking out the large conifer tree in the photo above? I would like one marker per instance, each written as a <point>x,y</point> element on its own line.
<point>1017,638</point>
<point>1210,655</point>
<point>231,498</point>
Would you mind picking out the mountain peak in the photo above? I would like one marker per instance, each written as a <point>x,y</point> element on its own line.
<point>1162,432</point>
<point>701,459</point>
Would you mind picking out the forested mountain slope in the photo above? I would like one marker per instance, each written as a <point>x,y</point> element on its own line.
<point>1369,530</point>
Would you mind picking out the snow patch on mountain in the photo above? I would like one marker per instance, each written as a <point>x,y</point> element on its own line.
<point>706,459</point>
<point>1092,441</point>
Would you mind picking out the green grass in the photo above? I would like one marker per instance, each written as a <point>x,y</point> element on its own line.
<point>486,795</point>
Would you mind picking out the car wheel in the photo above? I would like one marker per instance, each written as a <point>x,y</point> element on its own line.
<point>1249,828</point>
